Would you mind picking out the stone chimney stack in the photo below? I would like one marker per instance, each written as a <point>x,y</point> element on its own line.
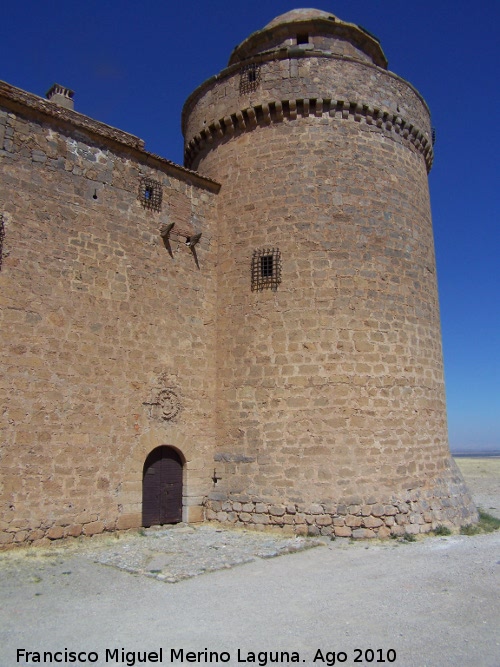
<point>61,96</point>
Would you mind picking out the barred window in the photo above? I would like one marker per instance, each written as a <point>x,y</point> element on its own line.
<point>266,269</point>
<point>150,193</point>
<point>249,79</point>
<point>266,266</point>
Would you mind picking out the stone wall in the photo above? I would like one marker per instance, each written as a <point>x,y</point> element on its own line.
<point>317,86</point>
<point>316,406</point>
<point>108,331</point>
<point>447,504</point>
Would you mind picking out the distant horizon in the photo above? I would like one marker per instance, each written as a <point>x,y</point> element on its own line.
<point>475,453</point>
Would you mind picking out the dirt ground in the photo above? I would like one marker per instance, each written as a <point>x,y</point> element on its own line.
<point>483,479</point>
<point>431,603</point>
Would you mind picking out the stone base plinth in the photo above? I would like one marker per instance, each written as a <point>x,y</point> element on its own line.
<point>419,510</point>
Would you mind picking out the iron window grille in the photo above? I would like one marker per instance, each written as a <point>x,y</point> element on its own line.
<point>249,79</point>
<point>150,193</point>
<point>266,269</point>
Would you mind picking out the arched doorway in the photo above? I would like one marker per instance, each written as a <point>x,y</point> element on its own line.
<point>162,487</point>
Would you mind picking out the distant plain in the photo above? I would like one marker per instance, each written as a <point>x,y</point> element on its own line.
<point>482,476</point>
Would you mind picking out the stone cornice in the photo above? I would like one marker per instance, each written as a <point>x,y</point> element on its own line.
<point>20,101</point>
<point>391,125</point>
<point>16,97</point>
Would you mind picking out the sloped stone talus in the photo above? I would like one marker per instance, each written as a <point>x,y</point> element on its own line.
<point>448,503</point>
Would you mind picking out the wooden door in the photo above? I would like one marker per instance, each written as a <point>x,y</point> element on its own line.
<point>162,487</point>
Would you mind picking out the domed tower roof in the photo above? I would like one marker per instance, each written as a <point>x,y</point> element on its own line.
<point>304,14</point>
<point>299,28</point>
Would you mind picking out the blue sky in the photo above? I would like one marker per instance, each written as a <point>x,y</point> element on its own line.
<point>132,65</point>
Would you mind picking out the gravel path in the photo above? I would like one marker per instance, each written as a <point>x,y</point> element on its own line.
<point>431,603</point>
<point>181,552</point>
<point>174,553</point>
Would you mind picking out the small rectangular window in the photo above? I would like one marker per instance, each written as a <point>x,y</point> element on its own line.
<point>150,193</point>
<point>266,269</point>
<point>266,266</point>
<point>303,38</point>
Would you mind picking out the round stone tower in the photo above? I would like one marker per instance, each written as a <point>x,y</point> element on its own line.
<point>331,411</point>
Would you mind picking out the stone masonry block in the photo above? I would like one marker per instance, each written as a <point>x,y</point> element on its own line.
<point>324,520</point>
<point>363,534</point>
<point>316,509</point>
<point>378,510</point>
<point>372,522</point>
<point>75,530</point>
<point>55,533</point>
<point>94,528</point>
<point>195,514</point>
<point>353,521</point>
<point>383,532</point>
<point>21,536</point>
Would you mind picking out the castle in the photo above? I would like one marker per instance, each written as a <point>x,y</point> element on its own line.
<point>252,338</point>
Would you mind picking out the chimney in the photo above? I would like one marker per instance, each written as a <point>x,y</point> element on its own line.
<point>61,96</point>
